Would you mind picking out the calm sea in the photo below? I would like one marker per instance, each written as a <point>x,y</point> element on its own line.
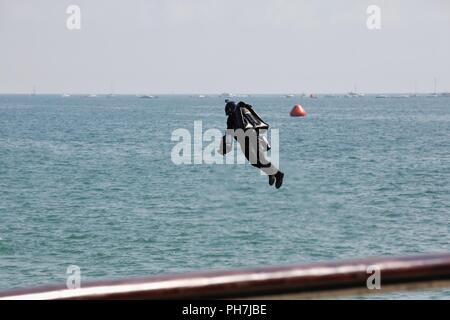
<point>90,182</point>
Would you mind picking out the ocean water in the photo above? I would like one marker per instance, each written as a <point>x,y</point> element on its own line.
<point>90,182</point>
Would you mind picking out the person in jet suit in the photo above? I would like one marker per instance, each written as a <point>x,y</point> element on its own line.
<point>253,144</point>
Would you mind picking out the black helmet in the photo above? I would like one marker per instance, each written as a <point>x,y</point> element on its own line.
<point>229,107</point>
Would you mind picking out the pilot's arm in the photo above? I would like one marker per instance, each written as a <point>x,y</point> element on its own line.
<point>227,140</point>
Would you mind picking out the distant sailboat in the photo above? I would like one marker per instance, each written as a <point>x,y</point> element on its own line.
<point>65,95</point>
<point>434,95</point>
<point>33,93</point>
<point>111,91</point>
<point>415,89</point>
<point>355,94</point>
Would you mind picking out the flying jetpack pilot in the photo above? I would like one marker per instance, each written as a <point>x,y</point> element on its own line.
<point>246,127</point>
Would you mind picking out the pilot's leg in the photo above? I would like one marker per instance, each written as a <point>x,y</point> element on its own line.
<point>255,155</point>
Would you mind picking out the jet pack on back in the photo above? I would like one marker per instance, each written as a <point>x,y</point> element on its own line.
<point>247,118</point>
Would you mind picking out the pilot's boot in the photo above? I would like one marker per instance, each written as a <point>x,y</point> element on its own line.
<point>271,180</point>
<point>279,177</point>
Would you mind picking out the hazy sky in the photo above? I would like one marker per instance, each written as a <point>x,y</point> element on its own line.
<point>214,46</point>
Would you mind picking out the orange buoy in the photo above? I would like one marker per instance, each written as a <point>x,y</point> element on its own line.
<point>298,111</point>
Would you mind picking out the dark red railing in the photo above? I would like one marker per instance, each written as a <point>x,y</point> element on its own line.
<point>294,281</point>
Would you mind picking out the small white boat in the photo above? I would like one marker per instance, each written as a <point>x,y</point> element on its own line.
<point>353,94</point>
<point>65,95</point>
